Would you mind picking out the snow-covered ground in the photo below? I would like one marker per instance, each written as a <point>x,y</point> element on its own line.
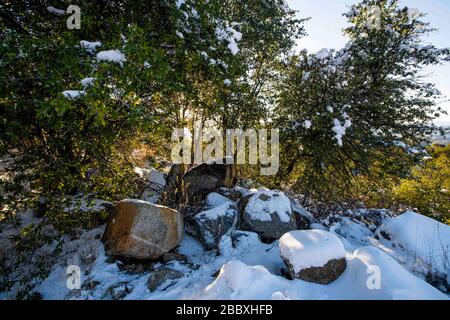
<point>387,258</point>
<point>248,270</point>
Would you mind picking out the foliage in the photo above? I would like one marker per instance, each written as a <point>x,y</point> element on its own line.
<point>427,189</point>
<point>185,61</point>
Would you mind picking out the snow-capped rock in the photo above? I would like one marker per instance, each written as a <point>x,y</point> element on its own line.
<point>303,218</point>
<point>313,255</point>
<point>267,213</point>
<point>212,224</point>
<point>360,281</point>
<point>215,199</point>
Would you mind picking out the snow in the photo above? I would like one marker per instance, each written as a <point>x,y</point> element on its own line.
<point>216,212</point>
<point>377,268</point>
<point>87,82</point>
<point>305,76</point>
<point>414,13</point>
<point>240,281</point>
<point>156,181</point>
<point>214,199</point>
<point>230,35</point>
<point>111,56</point>
<point>147,65</point>
<point>307,124</point>
<point>422,237</point>
<point>285,6</point>
<point>262,210</point>
<point>249,269</point>
<point>227,82</point>
<point>73,94</point>
<point>152,175</point>
<point>90,46</point>
<point>340,129</point>
<point>310,248</point>
<point>322,54</point>
<point>56,10</point>
<point>179,34</point>
<point>179,3</point>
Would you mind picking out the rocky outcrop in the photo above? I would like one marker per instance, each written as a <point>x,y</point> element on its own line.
<point>142,230</point>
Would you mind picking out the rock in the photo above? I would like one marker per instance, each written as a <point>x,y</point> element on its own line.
<point>322,275</point>
<point>142,230</point>
<point>136,268</point>
<point>210,225</point>
<point>172,192</point>
<point>161,275</point>
<point>302,222</point>
<point>313,255</point>
<point>208,177</point>
<point>267,213</point>
<point>90,285</point>
<point>373,218</point>
<point>118,291</point>
<point>303,218</point>
<point>174,256</point>
<point>234,194</point>
<point>175,176</point>
<point>215,199</point>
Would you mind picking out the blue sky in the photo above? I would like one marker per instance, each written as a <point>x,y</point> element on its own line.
<point>324,31</point>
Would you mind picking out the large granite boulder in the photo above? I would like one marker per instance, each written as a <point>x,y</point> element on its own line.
<point>313,255</point>
<point>142,230</point>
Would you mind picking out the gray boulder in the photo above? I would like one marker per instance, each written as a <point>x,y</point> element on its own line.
<point>207,177</point>
<point>268,213</point>
<point>210,225</point>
